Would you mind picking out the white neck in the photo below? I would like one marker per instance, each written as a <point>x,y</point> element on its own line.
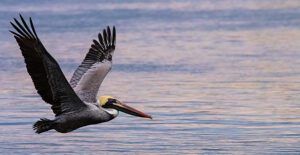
<point>112,112</point>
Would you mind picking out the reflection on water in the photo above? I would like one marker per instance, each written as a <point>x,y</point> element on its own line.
<point>217,78</point>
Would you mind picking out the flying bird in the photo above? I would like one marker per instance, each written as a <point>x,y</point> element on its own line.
<point>74,104</point>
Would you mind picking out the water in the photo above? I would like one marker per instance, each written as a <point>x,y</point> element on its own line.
<point>219,77</point>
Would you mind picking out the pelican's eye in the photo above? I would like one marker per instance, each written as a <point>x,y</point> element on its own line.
<point>109,103</point>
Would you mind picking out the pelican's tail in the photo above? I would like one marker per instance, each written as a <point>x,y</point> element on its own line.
<point>43,125</point>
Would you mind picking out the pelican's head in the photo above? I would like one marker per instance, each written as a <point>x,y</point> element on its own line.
<point>109,103</point>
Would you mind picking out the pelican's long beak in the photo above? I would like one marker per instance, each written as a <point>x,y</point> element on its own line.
<point>129,110</point>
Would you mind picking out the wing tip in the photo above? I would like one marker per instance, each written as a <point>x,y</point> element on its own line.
<point>111,38</point>
<point>108,36</point>
<point>22,30</point>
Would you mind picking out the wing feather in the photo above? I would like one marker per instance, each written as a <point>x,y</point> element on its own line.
<point>45,72</point>
<point>88,77</point>
<point>108,36</point>
<point>101,41</point>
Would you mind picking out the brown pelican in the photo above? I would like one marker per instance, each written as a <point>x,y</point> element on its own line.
<point>75,104</point>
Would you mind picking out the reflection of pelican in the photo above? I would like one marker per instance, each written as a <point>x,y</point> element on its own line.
<point>74,105</point>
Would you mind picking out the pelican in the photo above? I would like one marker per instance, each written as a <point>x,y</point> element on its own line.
<point>74,104</point>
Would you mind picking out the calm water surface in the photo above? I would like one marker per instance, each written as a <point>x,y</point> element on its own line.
<point>219,77</point>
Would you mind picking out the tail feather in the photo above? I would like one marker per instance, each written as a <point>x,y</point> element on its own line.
<point>43,125</point>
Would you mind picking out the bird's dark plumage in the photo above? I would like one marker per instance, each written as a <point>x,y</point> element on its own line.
<point>45,72</point>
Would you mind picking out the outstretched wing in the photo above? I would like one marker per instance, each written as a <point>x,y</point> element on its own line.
<point>45,72</point>
<point>88,77</point>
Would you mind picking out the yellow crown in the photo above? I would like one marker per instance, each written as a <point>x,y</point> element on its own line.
<point>103,99</point>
